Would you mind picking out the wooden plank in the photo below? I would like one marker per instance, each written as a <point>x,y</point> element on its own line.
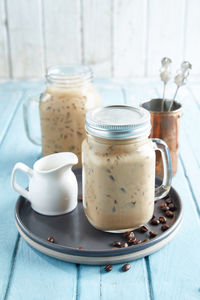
<point>168,278</point>
<point>9,101</point>
<point>18,263</point>
<point>175,267</point>
<point>37,276</point>
<point>109,91</point>
<point>8,232</point>
<point>97,36</point>
<point>138,92</point>
<point>89,283</point>
<point>10,96</point>
<point>4,56</point>
<point>129,37</point>
<point>25,32</point>
<point>128,285</point>
<point>192,34</point>
<point>62,31</point>
<point>166,33</point>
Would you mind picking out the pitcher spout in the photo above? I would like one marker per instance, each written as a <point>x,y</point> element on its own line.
<point>55,162</point>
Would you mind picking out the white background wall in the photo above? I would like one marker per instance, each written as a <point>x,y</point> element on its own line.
<point>118,38</point>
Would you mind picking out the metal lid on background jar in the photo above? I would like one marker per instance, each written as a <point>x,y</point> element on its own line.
<point>118,122</point>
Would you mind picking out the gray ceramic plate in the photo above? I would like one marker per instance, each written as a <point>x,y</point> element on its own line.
<point>72,231</point>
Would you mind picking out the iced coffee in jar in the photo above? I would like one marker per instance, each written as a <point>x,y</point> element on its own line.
<point>68,96</point>
<point>119,168</point>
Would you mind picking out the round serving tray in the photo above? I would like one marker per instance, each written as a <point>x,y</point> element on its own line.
<point>73,231</point>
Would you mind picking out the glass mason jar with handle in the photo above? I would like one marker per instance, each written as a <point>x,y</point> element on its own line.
<point>68,96</point>
<point>119,168</point>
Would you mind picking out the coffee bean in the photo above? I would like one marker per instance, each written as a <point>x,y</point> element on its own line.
<point>163,204</point>
<point>169,214</point>
<point>80,197</point>
<point>171,206</point>
<point>164,227</point>
<point>165,208</point>
<point>153,233</point>
<point>137,242</point>
<point>124,245</point>
<point>144,229</point>
<point>131,241</point>
<point>108,268</point>
<point>128,234</point>
<point>51,239</point>
<point>168,200</point>
<point>126,267</point>
<point>155,221</point>
<point>117,244</point>
<point>162,220</point>
<point>146,240</point>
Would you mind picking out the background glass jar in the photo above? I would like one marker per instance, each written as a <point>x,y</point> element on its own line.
<point>119,168</point>
<point>68,96</point>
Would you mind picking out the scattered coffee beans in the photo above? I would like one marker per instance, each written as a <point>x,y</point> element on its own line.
<point>126,267</point>
<point>168,200</point>
<point>129,234</point>
<point>169,214</point>
<point>155,221</point>
<point>144,229</point>
<point>131,241</point>
<point>108,268</point>
<point>124,245</point>
<point>51,239</point>
<point>117,244</point>
<point>163,204</point>
<point>153,233</point>
<point>80,197</point>
<point>164,227</point>
<point>171,206</point>
<point>146,240</point>
<point>137,242</point>
<point>162,220</point>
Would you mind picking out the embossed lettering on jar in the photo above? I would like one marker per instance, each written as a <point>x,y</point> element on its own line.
<point>118,168</point>
<point>69,95</point>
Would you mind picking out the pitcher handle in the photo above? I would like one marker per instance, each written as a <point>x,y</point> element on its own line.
<point>20,190</point>
<point>27,110</point>
<point>162,190</point>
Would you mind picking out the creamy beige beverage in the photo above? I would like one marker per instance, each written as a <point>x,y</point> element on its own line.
<point>69,95</point>
<point>118,183</point>
<point>119,168</point>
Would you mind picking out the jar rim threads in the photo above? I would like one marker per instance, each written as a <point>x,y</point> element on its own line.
<point>118,122</point>
<point>70,75</point>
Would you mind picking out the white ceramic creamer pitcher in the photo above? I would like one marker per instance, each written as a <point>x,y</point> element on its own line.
<point>53,188</point>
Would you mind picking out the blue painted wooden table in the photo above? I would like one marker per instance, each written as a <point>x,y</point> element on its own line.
<point>171,273</point>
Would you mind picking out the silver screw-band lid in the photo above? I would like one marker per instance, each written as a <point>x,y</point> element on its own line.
<point>118,122</point>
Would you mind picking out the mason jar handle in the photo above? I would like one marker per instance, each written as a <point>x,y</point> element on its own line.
<point>27,109</point>
<point>162,190</point>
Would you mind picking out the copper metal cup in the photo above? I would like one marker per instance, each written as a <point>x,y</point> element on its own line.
<point>165,126</point>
